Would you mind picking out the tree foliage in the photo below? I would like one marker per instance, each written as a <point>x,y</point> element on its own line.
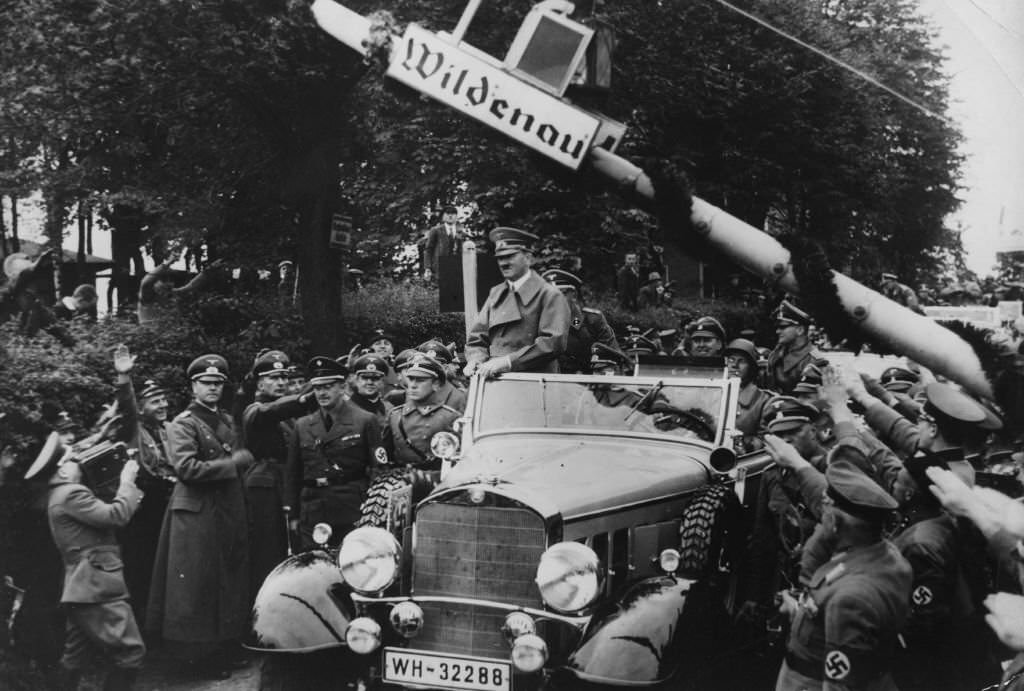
<point>242,125</point>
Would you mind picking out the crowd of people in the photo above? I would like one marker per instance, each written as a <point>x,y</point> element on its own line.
<point>871,536</point>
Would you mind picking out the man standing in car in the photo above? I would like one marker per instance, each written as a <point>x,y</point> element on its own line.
<point>524,324</point>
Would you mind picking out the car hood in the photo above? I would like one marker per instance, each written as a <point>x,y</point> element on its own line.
<point>578,475</point>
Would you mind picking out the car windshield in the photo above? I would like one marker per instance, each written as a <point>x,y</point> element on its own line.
<point>662,407</point>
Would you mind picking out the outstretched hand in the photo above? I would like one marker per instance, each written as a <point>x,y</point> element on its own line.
<point>124,361</point>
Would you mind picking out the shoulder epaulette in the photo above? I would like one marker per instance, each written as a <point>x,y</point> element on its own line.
<point>591,310</point>
<point>447,407</point>
<point>182,415</point>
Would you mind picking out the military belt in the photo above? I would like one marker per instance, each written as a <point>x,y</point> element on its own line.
<point>330,481</point>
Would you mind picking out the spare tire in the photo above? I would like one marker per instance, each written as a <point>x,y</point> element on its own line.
<point>702,534</point>
<point>377,510</point>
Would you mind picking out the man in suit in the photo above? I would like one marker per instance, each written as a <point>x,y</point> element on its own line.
<point>524,324</point>
<point>627,282</point>
<point>333,451</point>
<point>443,240</point>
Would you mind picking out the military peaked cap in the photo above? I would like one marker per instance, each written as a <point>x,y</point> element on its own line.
<point>437,350</point>
<point>150,389</point>
<point>425,366</point>
<point>271,362</point>
<point>898,379</point>
<point>324,370</point>
<point>947,405</point>
<point>208,367</point>
<point>789,314</point>
<point>511,240</point>
<point>810,380</point>
<point>563,279</point>
<point>785,413</point>
<point>47,460</point>
<point>371,364</point>
<point>709,326</point>
<point>857,494</point>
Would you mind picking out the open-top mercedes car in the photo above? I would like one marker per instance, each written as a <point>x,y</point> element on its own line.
<point>580,534</point>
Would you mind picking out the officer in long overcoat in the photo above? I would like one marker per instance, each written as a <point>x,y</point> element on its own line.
<point>524,324</point>
<point>199,597</point>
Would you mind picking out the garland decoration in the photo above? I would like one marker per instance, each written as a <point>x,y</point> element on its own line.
<point>673,206</point>
<point>818,292</point>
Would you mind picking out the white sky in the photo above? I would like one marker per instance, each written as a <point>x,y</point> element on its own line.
<point>985,47</point>
<point>985,40</point>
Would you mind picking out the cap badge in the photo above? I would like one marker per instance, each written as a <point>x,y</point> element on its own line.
<point>212,370</point>
<point>278,365</point>
<point>371,367</point>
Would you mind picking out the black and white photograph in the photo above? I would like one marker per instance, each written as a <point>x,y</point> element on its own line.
<point>465,345</point>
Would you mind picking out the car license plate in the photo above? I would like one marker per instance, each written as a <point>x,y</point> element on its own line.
<point>403,666</point>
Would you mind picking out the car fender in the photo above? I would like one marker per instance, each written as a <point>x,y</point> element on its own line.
<point>634,644</point>
<point>297,608</point>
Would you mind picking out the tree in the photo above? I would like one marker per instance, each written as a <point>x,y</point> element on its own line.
<point>244,126</point>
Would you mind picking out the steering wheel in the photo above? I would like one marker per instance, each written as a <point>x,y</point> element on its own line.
<point>687,420</point>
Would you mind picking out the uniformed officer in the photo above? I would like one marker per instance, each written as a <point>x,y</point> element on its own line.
<point>411,426</point>
<point>707,338</point>
<point>808,385</point>
<point>267,427</point>
<point>94,596</point>
<point>741,359</point>
<point>296,379</point>
<point>845,624</point>
<point>783,519</point>
<point>382,343</point>
<point>449,394</point>
<point>332,454</point>
<point>145,419</point>
<point>368,377</point>
<point>524,323</point>
<point>199,598</point>
<point>944,637</point>
<point>587,325</point>
<point>793,351</point>
<point>396,396</point>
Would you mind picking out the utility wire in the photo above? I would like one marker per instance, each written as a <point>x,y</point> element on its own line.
<point>984,45</point>
<point>1012,32</point>
<point>846,66</point>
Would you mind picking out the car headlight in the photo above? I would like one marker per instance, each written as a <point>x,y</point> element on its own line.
<point>569,576</point>
<point>368,559</point>
<point>321,534</point>
<point>363,635</point>
<point>444,445</point>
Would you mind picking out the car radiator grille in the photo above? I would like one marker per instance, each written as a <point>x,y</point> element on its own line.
<point>479,552</point>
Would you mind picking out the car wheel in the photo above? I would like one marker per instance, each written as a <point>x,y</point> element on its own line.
<point>703,531</point>
<point>377,507</point>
